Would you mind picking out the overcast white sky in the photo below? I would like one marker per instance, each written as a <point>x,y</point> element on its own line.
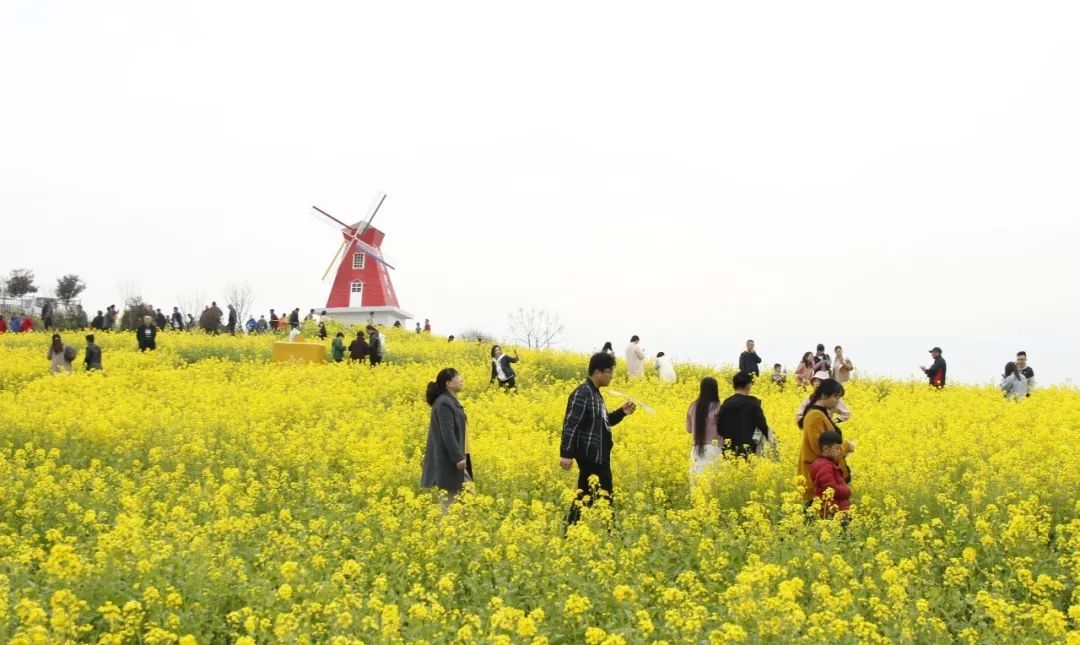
<point>886,177</point>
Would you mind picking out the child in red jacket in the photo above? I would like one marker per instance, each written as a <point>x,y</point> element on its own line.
<point>825,474</point>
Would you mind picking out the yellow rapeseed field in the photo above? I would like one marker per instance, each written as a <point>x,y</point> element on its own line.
<point>202,494</point>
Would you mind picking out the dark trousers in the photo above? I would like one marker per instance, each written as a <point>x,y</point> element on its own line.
<point>509,383</point>
<point>376,359</point>
<point>585,470</point>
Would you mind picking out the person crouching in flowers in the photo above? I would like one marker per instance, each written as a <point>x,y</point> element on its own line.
<point>825,475</point>
<point>818,419</point>
<point>586,435</point>
<point>501,368</point>
<point>446,456</point>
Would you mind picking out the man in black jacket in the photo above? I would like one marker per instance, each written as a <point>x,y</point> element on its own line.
<point>740,415</point>
<point>936,372</point>
<point>147,335</point>
<point>176,319</point>
<point>748,360</point>
<point>1025,369</point>
<point>586,435</point>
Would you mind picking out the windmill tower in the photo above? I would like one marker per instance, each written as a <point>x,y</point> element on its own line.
<point>362,291</point>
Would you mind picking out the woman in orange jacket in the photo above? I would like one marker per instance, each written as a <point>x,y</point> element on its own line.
<point>818,419</point>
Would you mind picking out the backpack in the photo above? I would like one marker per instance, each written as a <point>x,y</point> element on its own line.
<point>70,353</point>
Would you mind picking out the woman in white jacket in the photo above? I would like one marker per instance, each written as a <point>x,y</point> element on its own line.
<point>1013,383</point>
<point>665,368</point>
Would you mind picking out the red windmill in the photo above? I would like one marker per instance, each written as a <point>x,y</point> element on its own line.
<point>362,291</point>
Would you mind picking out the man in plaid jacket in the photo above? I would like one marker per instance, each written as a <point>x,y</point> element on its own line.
<point>586,436</point>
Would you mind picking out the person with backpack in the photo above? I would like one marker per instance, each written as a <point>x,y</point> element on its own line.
<point>60,355</point>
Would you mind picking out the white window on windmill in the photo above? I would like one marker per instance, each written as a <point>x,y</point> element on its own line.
<point>356,294</point>
<point>358,260</point>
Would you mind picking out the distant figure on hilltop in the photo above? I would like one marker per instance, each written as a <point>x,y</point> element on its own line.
<point>251,325</point>
<point>842,367</point>
<point>1014,383</point>
<point>262,326</point>
<point>160,320</point>
<point>427,325</point>
<point>635,358</point>
<point>294,318</point>
<point>98,321</point>
<point>805,370</point>
<point>608,349</point>
<point>233,317</point>
<point>177,319</point>
<point>273,321</point>
<point>749,360</point>
<point>936,371</point>
<point>822,362</point>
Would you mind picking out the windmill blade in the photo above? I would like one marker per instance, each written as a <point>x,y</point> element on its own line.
<point>365,223</point>
<point>373,253</point>
<point>336,220</point>
<point>337,255</point>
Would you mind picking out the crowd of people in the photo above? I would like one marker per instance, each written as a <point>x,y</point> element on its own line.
<point>735,427</point>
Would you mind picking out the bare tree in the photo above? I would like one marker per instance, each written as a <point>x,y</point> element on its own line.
<point>128,290</point>
<point>241,296</point>
<point>192,303</point>
<point>536,328</point>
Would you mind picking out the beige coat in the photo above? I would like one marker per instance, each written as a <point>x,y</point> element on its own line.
<point>635,360</point>
<point>841,370</point>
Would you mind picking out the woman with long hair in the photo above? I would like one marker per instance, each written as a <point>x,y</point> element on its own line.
<point>446,456</point>
<point>60,355</point>
<point>701,423</point>
<point>608,349</point>
<point>805,371</point>
<point>818,419</point>
<point>1013,382</point>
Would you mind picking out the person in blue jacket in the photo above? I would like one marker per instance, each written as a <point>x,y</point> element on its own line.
<point>501,368</point>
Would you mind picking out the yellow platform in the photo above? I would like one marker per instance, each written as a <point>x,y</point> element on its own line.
<point>284,352</point>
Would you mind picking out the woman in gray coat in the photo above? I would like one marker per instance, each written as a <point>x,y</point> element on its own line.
<point>446,457</point>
